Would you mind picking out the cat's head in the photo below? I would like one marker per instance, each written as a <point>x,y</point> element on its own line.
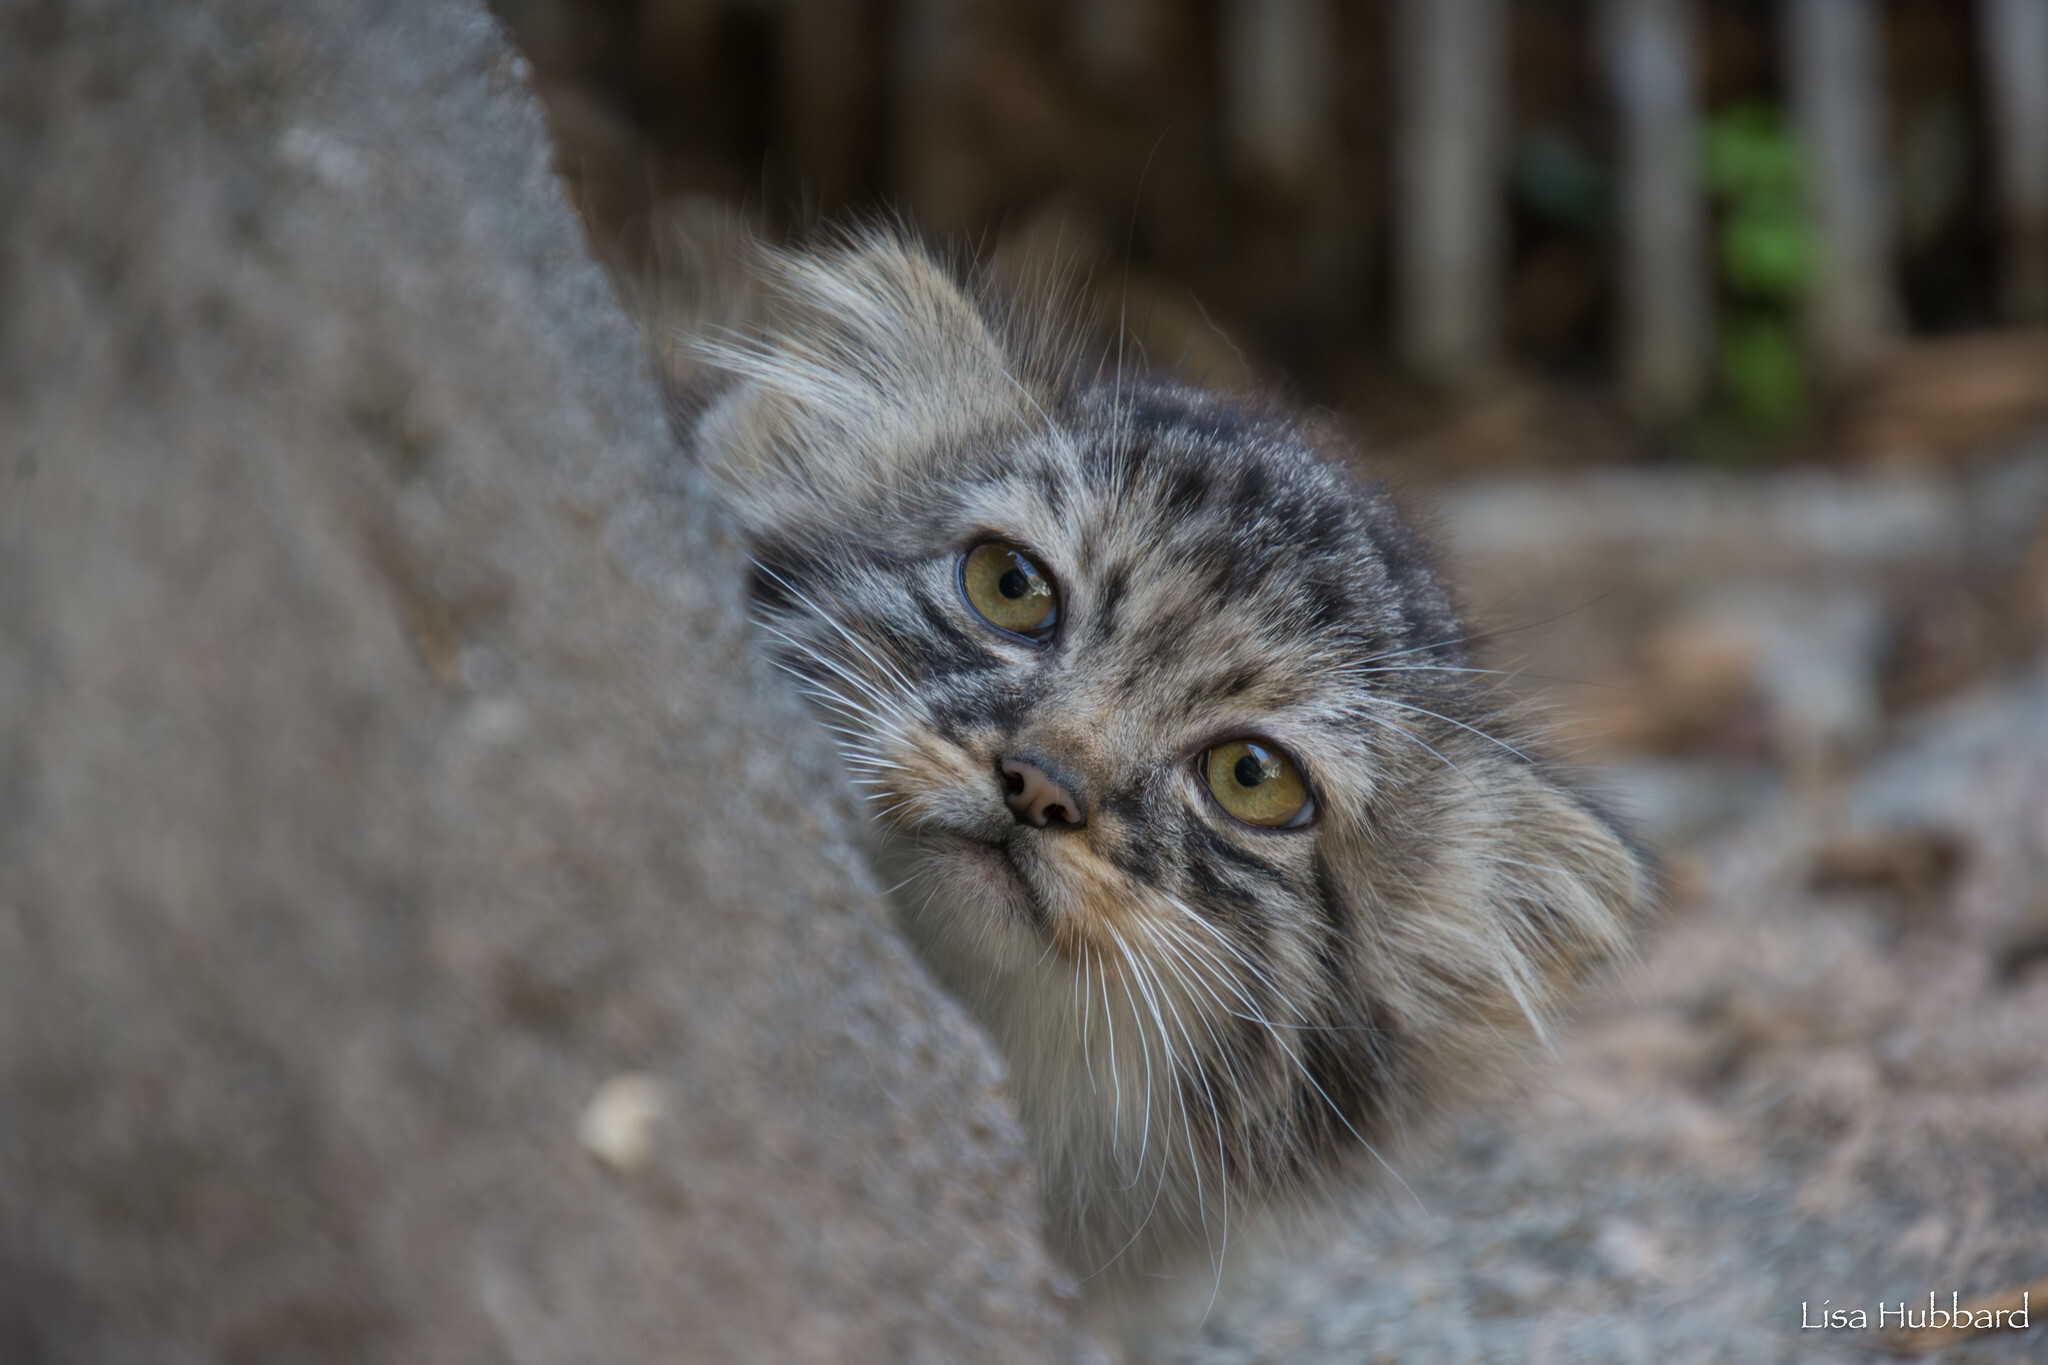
<point>1177,752</point>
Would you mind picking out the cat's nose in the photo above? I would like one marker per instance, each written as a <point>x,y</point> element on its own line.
<point>1036,797</point>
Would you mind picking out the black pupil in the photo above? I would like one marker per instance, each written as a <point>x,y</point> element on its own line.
<point>1250,771</point>
<point>1014,584</point>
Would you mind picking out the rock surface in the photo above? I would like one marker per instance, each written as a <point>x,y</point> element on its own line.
<point>383,770</point>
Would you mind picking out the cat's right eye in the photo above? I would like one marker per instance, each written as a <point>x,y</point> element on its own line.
<point>1259,784</point>
<point>1008,590</point>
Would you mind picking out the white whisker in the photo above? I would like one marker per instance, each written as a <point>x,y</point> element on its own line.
<point>1423,710</point>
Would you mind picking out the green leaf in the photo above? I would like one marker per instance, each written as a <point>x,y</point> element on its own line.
<point>1748,151</point>
<point>1767,250</point>
<point>1762,371</point>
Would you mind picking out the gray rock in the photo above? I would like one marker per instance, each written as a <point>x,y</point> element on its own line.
<point>383,769</point>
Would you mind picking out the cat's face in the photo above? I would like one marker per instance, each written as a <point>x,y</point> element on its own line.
<point>1212,660</point>
<point>1178,763</point>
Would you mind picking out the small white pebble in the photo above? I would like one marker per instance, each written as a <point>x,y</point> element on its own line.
<point>618,1124</point>
<point>1632,1252</point>
<point>327,159</point>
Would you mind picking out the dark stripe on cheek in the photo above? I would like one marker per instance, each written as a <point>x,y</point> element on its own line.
<point>1333,903</point>
<point>1125,803</point>
<point>943,621</point>
<point>1223,848</point>
<point>1215,893</point>
<point>1136,854</point>
<point>1136,859</point>
<point>922,659</point>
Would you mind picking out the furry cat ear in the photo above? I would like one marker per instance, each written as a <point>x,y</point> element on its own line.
<point>1521,895</point>
<point>808,379</point>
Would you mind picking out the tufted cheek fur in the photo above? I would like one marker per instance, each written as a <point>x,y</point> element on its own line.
<point>1204,1020</point>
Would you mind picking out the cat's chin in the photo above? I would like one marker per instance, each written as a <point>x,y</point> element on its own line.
<point>964,900</point>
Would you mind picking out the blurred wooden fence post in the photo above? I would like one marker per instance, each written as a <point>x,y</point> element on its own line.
<point>1112,38</point>
<point>2015,38</point>
<point>1666,308</point>
<point>1276,87</point>
<point>1450,110</point>
<point>828,89</point>
<point>1833,62</point>
<point>939,172</point>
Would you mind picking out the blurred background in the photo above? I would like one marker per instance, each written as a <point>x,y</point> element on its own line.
<point>1729,231</point>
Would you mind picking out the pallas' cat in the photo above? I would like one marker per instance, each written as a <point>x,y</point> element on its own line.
<point>1178,762</point>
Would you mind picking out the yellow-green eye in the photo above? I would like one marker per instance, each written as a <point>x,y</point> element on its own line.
<point>1009,591</point>
<point>1258,784</point>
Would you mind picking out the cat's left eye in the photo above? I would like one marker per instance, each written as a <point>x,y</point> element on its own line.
<point>1259,784</point>
<point>1008,589</point>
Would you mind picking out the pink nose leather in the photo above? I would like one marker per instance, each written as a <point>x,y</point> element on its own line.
<point>1035,799</point>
